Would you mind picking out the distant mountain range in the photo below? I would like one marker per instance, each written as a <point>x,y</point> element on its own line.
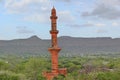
<point>69,45</point>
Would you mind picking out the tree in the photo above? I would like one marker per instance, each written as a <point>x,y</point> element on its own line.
<point>34,68</point>
<point>8,75</point>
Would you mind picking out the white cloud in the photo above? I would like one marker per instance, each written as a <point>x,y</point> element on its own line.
<point>115,24</point>
<point>24,30</point>
<point>26,6</point>
<point>101,31</point>
<point>36,10</point>
<point>88,24</point>
<point>63,17</point>
<point>64,0</point>
<point>100,24</point>
<point>110,2</point>
<point>66,17</point>
<point>105,9</point>
<point>31,10</point>
<point>81,25</point>
<point>39,18</point>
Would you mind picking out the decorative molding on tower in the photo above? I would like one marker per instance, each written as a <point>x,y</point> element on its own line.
<point>54,49</point>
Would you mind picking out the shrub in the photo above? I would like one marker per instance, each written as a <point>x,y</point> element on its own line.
<point>108,76</point>
<point>7,75</point>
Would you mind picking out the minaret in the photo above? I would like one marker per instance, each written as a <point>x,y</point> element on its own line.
<point>54,49</point>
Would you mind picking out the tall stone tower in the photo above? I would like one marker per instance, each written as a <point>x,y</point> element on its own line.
<point>54,49</point>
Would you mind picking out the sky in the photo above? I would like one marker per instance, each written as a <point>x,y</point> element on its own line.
<point>76,18</point>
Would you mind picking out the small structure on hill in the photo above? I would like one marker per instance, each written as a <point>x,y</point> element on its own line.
<point>54,50</point>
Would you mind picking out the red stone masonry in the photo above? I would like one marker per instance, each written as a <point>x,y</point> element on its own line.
<point>54,50</point>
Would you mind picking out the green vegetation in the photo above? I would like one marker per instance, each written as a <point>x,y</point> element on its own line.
<point>79,68</point>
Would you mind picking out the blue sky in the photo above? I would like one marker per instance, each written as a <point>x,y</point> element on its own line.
<point>76,18</point>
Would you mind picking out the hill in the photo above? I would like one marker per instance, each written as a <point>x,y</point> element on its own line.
<point>70,46</point>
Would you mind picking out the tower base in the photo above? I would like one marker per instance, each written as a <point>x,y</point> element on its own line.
<point>52,75</point>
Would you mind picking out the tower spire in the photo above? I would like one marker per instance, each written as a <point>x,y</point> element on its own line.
<point>54,49</point>
<point>53,30</point>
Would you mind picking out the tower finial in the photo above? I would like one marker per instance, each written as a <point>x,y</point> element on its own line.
<point>53,8</point>
<point>53,12</point>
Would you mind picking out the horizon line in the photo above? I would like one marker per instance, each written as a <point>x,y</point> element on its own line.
<point>58,37</point>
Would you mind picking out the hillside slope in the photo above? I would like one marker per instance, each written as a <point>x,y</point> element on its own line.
<point>69,45</point>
